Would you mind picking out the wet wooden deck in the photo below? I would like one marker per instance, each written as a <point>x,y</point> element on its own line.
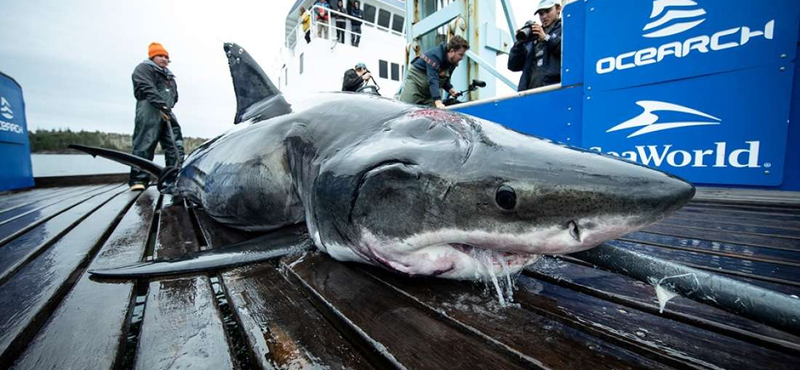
<point>309,311</point>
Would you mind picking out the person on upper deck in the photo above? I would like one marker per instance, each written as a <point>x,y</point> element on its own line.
<point>341,21</point>
<point>355,77</point>
<point>355,26</point>
<point>322,16</point>
<point>431,72</point>
<point>537,50</point>
<point>156,93</point>
<point>305,19</point>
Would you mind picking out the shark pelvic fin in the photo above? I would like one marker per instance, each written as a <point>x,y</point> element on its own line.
<point>256,96</point>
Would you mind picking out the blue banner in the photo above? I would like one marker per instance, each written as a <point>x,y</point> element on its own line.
<point>727,128</point>
<point>636,42</point>
<point>12,112</point>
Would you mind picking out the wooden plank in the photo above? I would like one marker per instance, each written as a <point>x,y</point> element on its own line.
<point>391,325</point>
<point>745,209</point>
<point>20,225</point>
<point>34,205</point>
<point>635,294</point>
<point>29,297</point>
<point>673,342</point>
<point>550,343</point>
<point>86,329</point>
<point>782,274</point>
<point>726,237</point>
<point>182,327</point>
<point>716,248</point>
<point>13,201</point>
<point>281,328</point>
<point>26,246</point>
<point>790,223</point>
<point>713,225</point>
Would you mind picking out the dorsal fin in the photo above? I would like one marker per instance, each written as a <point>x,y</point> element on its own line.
<point>256,96</point>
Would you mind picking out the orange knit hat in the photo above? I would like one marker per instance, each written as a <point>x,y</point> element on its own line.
<point>156,49</point>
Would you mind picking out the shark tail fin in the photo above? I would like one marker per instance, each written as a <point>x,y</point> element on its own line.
<point>160,172</point>
<point>256,96</point>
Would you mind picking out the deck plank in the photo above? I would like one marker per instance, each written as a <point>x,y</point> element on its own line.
<point>10,214</point>
<point>670,341</point>
<point>11,202</point>
<point>792,223</point>
<point>281,327</point>
<point>95,312</point>
<point>742,251</point>
<point>21,224</point>
<point>783,274</point>
<point>635,294</point>
<point>23,248</point>
<point>549,343</point>
<point>713,225</point>
<point>182,327</point>
<point>725,237</point>
<point>391,325</point>
<point>29,297</point>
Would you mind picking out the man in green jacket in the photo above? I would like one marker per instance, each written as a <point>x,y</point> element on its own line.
<point>156,93</point>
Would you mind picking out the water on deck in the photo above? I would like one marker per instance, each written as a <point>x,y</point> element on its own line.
<point>309,311</point>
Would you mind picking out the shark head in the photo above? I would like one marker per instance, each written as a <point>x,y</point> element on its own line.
<point>444,194</point>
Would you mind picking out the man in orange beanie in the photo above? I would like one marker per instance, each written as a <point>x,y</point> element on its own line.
<point>156,93</point>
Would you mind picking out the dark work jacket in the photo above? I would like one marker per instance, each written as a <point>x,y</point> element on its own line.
<point>432,62</point>
<point>539,61</point>
<point>155,85</point>
<point>340,19</point>
<point>351,81</point>
<point>356,13</point>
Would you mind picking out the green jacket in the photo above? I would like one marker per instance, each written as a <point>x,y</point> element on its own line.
<point>154,87</point>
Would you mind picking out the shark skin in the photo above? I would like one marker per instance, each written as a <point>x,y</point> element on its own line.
<point>416,190</point>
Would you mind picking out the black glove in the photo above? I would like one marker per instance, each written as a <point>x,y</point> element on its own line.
<point>166,110</point>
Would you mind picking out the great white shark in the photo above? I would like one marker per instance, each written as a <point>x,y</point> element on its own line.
<point>416,190</point>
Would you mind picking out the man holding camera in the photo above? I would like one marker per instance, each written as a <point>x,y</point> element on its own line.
<point>431,71</point>
<point>537,51</point>
<point>356,77</point>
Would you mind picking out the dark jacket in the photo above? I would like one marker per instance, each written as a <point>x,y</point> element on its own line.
<point>351,81</point>
<point>340,19</point>
<point>154,85</point>
<point>539,61</point>
<point>433,62</point>
<point>356,13</point>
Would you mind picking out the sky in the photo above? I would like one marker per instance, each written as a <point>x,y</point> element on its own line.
<point>74,58</point>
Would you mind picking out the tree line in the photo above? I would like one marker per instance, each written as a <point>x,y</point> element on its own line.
<point>56,141</point>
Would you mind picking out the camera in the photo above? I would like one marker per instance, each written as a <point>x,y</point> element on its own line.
<point>525,33</point>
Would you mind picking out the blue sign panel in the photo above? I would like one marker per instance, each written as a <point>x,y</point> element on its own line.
<point>12,112</point>
<point>636,42</point>
<point>728,128</point>
<point>572,43</point>
<point>15,156</point>
<point>555,115</point>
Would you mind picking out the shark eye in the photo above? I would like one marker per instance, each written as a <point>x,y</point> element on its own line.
<point>505,197</point>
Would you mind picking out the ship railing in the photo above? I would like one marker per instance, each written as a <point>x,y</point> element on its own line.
<point>331,27</point>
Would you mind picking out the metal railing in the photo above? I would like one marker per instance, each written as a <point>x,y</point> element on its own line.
<point>331,27</point>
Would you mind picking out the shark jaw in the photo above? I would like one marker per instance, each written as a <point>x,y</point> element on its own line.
<point>476,254</point>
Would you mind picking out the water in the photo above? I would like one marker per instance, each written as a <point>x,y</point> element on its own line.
<point>77,164</point>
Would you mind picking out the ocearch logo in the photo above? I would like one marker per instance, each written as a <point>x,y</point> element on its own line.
<point>648,121</point>
<point>684,20</point>
<point>680,15</point>
<point>719,155</point>
<point>5,108</point>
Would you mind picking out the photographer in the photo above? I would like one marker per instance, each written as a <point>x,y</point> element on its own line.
<point>537,50</point>
<point>355,77</point>
<point>431,71</point>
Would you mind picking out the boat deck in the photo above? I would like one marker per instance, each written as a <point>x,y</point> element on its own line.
<point>309,311</point>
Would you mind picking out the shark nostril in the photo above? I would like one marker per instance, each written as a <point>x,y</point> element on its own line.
<point>574,231</point>
<point>505,197</point>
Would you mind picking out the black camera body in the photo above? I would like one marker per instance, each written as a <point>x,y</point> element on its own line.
<point>525,34</point>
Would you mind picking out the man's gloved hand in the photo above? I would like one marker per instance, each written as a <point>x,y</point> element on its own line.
<point>166,109</point>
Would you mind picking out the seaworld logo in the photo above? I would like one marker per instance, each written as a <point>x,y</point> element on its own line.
<point>647,120</point>
<point>721,40</point>
<point>719,155</point>
<point>658,8</point>
<point>5,108</point>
